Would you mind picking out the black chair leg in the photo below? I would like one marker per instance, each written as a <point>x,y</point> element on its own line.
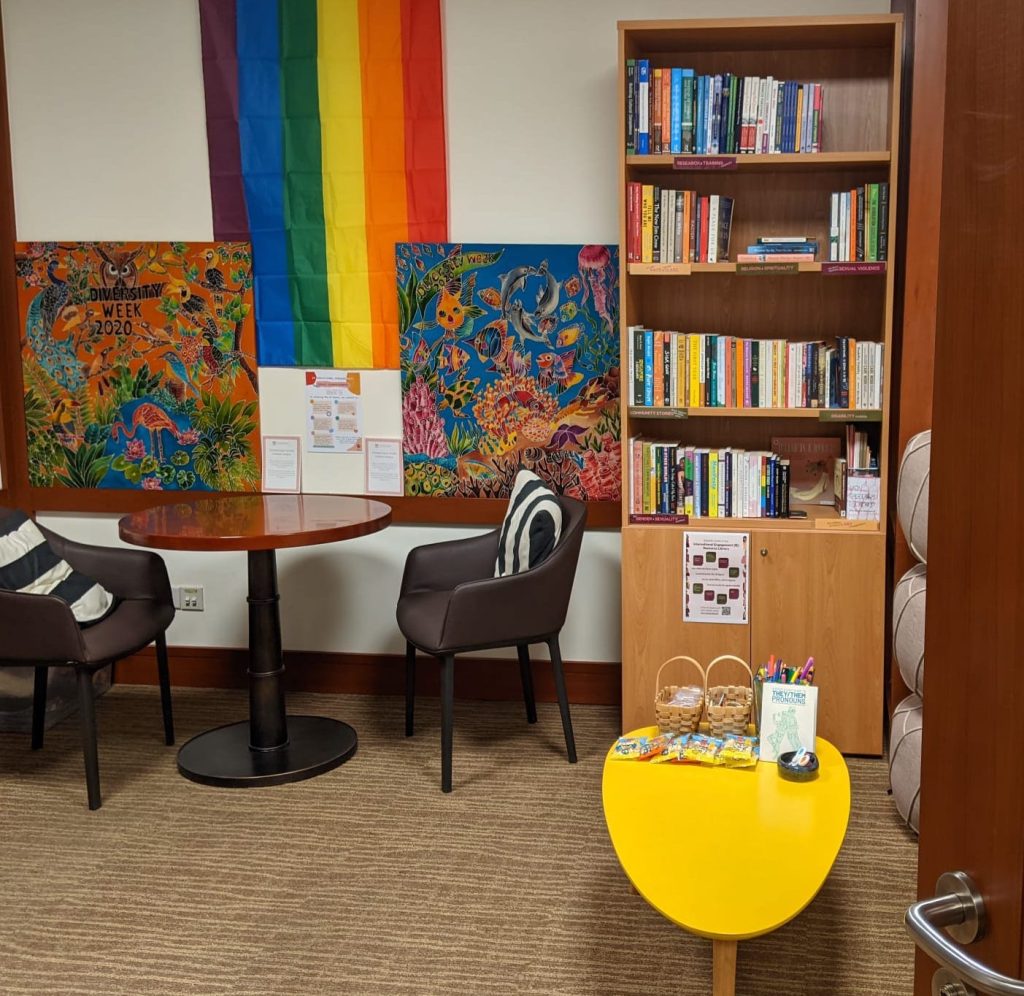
<point>410,686</point>
<point>87,720</point>
<point>39,706</point>
<point>526,676</point>
<point>563,698</point>
<point>447,717</point>
<point>165,688</point>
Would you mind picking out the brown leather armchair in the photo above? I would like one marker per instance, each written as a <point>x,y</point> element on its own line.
<point>39,631</point>
<point>451,603</point>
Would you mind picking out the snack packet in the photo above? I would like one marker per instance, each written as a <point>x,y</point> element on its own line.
<point>640,748</point>
<point>702,749</point>
<point>738,752</point>
<point>674,752</point>
<point>688,695</point>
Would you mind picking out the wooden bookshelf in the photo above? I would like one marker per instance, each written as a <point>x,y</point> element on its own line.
<point>763,161</point>
<point>816,584</point>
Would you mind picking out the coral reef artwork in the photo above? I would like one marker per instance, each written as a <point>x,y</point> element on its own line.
<point>139,365</point>
<point>510,358</point>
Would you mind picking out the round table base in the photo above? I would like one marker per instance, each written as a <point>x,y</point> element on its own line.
<point>223,757</point>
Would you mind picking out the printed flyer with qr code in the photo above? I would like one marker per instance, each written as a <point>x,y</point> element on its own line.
<point>715,576</point>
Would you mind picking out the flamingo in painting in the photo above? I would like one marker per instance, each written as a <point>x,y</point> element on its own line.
<point>157,422</point>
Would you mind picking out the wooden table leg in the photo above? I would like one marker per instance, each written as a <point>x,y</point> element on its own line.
<point>723,954</point>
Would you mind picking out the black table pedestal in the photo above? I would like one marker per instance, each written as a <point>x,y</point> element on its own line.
<point>271,748</point>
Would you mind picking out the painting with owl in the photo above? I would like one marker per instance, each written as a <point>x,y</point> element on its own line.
<point>139,365</point>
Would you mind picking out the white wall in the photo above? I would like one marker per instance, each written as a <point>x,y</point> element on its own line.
<point>109,142</point>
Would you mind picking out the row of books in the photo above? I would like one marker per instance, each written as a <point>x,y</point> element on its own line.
<point>781,249</point>
<point>856,480</point>
<point>673,110</point>
<point>702,482</point>
<point>859,224</point>
<point>676,226</point>
<point>703,370</point>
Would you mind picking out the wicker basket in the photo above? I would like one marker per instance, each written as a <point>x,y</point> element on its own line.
<point>676,718</point>
<point>727,706</point>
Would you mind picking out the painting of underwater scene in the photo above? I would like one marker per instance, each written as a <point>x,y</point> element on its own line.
<point>139,365</point>
<point>509,358</point>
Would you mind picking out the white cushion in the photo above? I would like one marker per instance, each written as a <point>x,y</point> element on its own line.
<point>28,564</point>
<point>532,526</point>
<point>905,759</point>
<point>908,603</point>
<point>912,493</point>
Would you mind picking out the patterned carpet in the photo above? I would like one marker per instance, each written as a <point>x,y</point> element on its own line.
<point>369,880</point>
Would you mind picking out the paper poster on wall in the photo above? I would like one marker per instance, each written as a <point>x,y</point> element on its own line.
<point>139,365</point>
<point>383,466</point>
<point>715,573</point>
<point>334,412</point>
<point>282,464</point>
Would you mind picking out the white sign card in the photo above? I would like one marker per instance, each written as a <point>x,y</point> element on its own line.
<point>863,496</point>
<point>384,470</point>
<point>282,465</point>
<point>334,412</point>
<point>789,719</point>
<point>715,573</point>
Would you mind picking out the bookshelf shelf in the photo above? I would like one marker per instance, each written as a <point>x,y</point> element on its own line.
<point>815,414</point>
<point>766,269</point>
<point>816,584</point>
<point>820,518</point>
<point>789,161</point>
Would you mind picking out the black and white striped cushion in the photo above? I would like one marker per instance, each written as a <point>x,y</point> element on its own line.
<point>29,564</point>
<point>532,526</point>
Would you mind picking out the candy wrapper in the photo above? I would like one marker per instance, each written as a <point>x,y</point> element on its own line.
<point>674,752</point>
<point>702,749</point>
<point>738,752</point>
<point>640,748</point>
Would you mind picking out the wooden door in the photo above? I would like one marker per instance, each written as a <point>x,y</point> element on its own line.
<point>652,625</point>
<point>972,784</point>
<point>823,596</point>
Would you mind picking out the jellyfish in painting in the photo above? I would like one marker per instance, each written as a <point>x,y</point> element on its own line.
<point>598,275</point>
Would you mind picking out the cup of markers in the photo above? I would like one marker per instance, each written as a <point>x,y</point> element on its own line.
<point>778,672</point>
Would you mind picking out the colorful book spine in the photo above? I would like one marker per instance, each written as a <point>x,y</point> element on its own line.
<point>676,113</point>
<point>631,119</point>
<point>643,96</point>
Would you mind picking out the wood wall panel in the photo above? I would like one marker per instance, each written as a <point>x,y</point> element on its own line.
<point>972,788</point>
<point>919,257</point>
<point>588,682</point>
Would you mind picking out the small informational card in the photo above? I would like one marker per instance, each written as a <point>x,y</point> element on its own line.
<point>282,465</point>
<point>334,412</point>
<point>789,719</point>
<point>384,470</point>
<point>715,577</point>
<point>863,496</point>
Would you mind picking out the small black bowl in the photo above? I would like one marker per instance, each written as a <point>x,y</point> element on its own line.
<point>804,771</point>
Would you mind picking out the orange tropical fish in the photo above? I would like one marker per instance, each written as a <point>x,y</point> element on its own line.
<point>558,369</point>
<point>453,304</point>
<point>490,296</point>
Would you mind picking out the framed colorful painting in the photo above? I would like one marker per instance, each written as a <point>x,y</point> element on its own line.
<point>139,365</point>
<point>509,358</point>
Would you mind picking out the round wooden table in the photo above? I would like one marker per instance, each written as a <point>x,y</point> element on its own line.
<point>271,748</point>
<point>756,848</point>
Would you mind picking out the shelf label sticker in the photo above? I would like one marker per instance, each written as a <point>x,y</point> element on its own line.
<point>646,411</point>
<point>636,518</point>
<point>704,162</point>
<point>849,415</point>
<point>845,269</point>
<point>749,269</point>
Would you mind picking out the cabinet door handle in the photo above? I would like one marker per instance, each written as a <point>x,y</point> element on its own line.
<point>764,551</point>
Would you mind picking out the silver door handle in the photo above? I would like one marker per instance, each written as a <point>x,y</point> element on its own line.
<point>959,908</point>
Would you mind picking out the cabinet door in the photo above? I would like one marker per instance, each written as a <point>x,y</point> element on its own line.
<point>652,621</point>
<point>822,595</point>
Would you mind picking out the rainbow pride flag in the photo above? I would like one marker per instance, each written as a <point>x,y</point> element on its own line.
<point>325,125</point>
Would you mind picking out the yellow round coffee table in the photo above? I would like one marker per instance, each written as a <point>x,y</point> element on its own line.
<point>758,847</point>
